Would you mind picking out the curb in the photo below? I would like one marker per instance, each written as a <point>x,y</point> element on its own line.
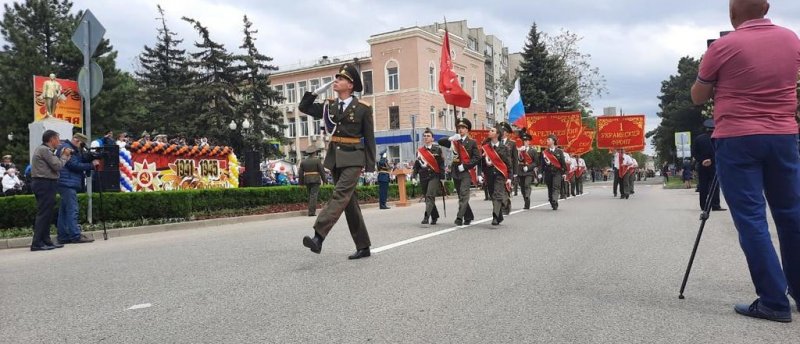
<point>128,231</point>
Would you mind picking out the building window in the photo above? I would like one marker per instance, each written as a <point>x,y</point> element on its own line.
<point>473,44</point>
<point>329,92</point>
<point>279,89</point>
<point>291,129</point>
<point>394,117</point>
<point>392,76</point>
<point>432,76</point>
<point>291,96</point>
<point>317,127</point>
<point>366,78</point>
<point>313,85</point>
<point>304,126</point>
<point>474,91</point>
<point>433,117</point>
<point>474,119</point>
<point>302,87</point>
<point>461,80</point>
<point>394,154</point>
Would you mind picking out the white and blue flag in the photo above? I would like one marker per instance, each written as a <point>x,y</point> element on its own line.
<point>514,104</point>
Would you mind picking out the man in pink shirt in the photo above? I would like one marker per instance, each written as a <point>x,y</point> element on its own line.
<point>752,75</point>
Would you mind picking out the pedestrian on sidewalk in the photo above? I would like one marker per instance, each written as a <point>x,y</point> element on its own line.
<point>752,75</point>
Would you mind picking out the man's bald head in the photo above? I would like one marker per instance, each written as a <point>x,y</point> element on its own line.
<point>744,10</point>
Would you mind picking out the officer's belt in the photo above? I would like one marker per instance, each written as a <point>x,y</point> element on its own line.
<point>346,140</point>
<point>310,173</point>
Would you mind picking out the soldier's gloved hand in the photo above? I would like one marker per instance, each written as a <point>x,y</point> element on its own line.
<point>480,179</point>
<point>508,182</point>
<point>455,137</point>
<point>525,168</point>
<point>488,161</point>
<point>461,168</point>
<point>539,176</point>
<point>323,88</point>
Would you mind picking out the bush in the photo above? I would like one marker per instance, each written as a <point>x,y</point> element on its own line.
<point>20,211</point>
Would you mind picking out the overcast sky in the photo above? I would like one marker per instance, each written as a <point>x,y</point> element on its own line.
<point>635,43</point>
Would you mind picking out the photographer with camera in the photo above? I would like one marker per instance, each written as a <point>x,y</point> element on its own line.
<point>70,182</point>
<point>751,74</point>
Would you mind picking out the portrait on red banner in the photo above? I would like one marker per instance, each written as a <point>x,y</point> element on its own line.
<point>58,98</point>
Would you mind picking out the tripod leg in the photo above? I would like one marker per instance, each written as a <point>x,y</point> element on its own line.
<point>703,218</point>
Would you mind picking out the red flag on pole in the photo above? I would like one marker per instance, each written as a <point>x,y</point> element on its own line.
<point>449,86</point>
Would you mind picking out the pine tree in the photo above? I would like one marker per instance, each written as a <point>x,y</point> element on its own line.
<point>258,96</point>
<point>37,35</point>
<point>545,83</point>
<point>166,79</point>
<point>215,90</point>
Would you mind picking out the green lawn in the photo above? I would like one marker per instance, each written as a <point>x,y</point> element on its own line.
<point>676,183</point>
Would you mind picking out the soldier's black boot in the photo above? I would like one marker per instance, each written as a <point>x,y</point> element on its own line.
<point>425,219</point>
<point>315,243</point>
<point>360,253</point>
<point>495,221</point>
<point>459,221</point>
<point>433,220</point>
<point>527,203</point>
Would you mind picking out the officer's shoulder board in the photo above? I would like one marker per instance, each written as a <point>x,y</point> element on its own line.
<point>365,103</point>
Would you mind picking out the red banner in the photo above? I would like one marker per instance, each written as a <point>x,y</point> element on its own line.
<point>479,135</point>
<point>162,167</point>
<point>582,144</point>
<point>449,85</point>
<point>620,132</point>
<point>566,126</point>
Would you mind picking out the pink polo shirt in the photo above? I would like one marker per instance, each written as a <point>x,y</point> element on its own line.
<point>754,70</point>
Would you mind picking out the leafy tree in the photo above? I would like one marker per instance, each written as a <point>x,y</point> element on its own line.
<point>258,96</point>
<point>678,113</point>
<point>37,35</point>
<point>215,89</point>
<point>545,82</point>
<point>578,65</point>
<point>166,79</point>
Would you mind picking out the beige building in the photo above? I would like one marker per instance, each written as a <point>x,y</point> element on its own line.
<point>400,73</point>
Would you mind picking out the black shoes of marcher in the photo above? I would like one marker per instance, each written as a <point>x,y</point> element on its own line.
<point>527,203</point>
<point>719,209</point>
<point>495,221</point>
<point>554,205</point>
<point>360,253</point>
<point>42,248</point>
<point>315,243</point>
<point>757,310</point>
<point>433,220</point>
<point>467,222</point>
<point>425,220</point>
<point>459,222</point>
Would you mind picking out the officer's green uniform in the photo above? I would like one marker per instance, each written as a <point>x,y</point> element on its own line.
<point>430,182</point>
<point>496,180</point>
<point>526,177</point>
<point>553,176</point>
<point>311,175</point>
<point>462,179</point>
<point>352,148</point>
<point>511,146</point>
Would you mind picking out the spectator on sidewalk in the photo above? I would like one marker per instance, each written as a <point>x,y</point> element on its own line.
<point>12,185</point>
<point>752,75</point>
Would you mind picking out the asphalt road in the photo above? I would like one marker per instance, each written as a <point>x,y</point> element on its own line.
<point>598,270</point>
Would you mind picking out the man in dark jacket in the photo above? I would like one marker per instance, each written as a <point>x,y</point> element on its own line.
<point>384,177</point>
<point>703,154</point>
<point>70,182</point>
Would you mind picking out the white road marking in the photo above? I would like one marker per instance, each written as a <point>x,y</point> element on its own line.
<point>453,229</point>
<point>140,306</point>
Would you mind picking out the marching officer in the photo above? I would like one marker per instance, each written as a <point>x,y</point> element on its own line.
<point>465,158</point>
<point>565,184</point>
<point>553,163</point>
<point>513,152</point>
<point>527,168</point>
<point>384,176</point>
<point>351,149</point>
<point>430,169</point>
<point>312,175</point>
<point>497,163</point>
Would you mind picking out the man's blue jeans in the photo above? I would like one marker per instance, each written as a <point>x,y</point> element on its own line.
<point>749,168</point>
<point>68,228</point>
